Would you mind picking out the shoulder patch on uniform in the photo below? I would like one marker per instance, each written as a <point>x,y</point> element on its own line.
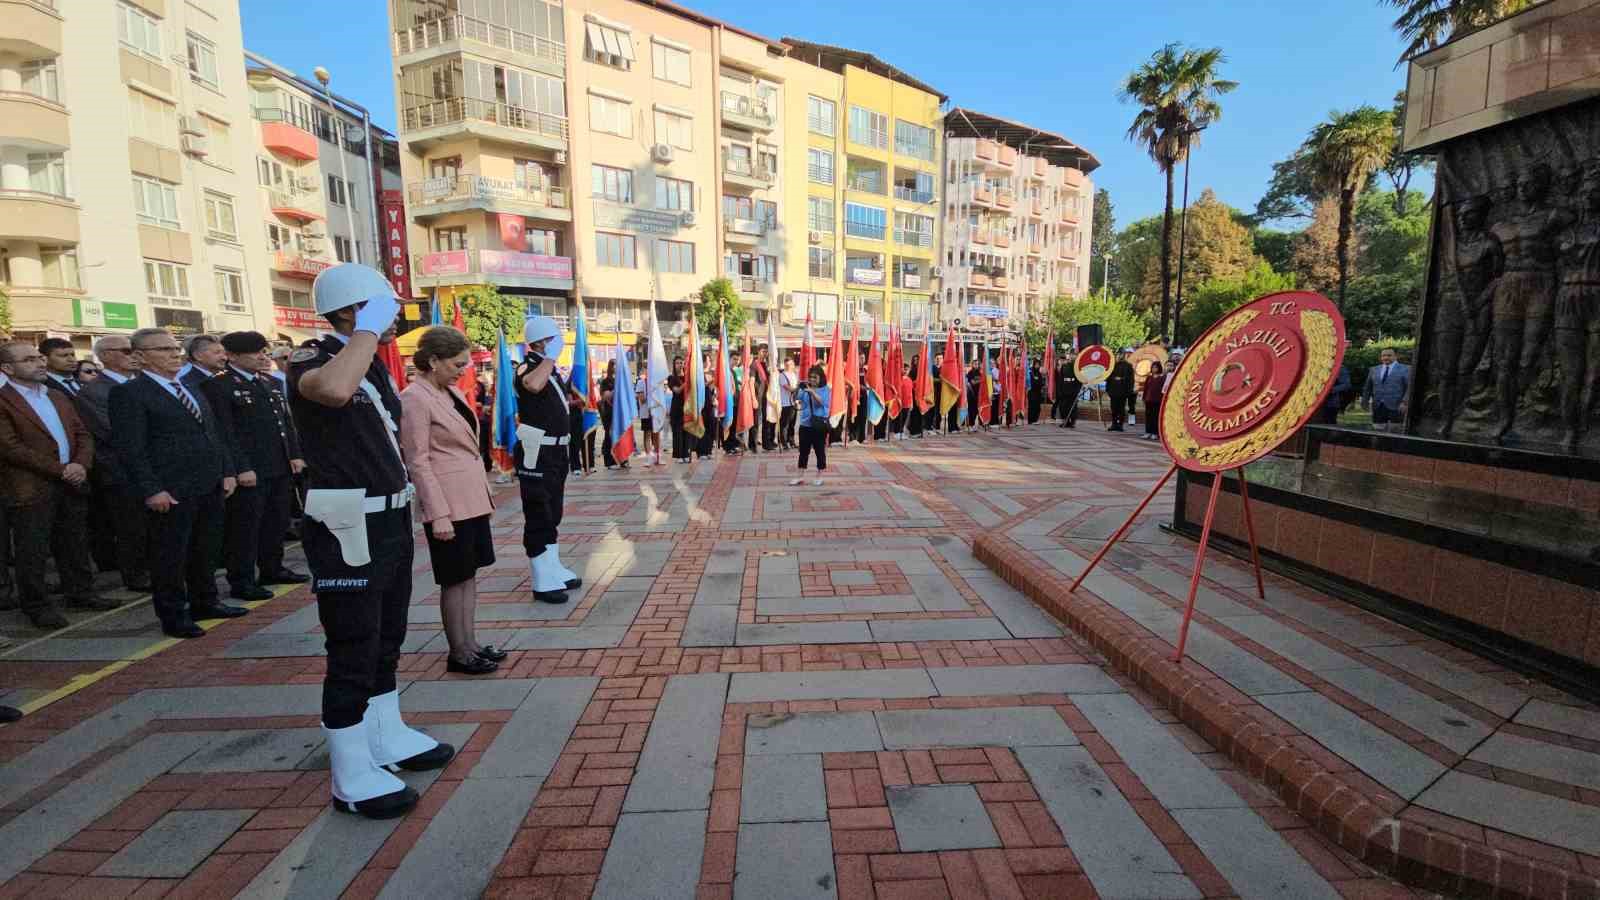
<point>303,354</point>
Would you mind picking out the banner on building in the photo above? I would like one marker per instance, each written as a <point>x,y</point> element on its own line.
<point>396,252</point>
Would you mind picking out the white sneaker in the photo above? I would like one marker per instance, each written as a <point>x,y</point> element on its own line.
<point>797,482</point>
<point>817,483</point>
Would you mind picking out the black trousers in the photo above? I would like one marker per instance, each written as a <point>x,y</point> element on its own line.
<point>185,540</point>
<point>680,437</point>
<point>5,553</point>
<point>543,493</point>
<point>55,525</point>
<point>365,628</point>
<point>953,423</point>
<point>128,528</point>
<point>712,436</point>
<point>814,439</point>
<point>915,420</point>
<point>786,420</point>
<point>1034,404</point>
<point>257,518</point>
<point>1119,411</point>
<point>103,530</point>
<point>1152,415</point>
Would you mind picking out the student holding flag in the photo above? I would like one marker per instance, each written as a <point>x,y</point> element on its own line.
<point>624,412</point>
<point>657,399</point>
<point>953,387</point>
<point>815,405</point>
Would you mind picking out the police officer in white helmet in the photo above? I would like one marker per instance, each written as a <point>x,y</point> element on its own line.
<point>358,540</point>
<point>543,431</point>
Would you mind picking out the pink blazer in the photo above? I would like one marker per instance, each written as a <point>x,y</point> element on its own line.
<point>441,451</point>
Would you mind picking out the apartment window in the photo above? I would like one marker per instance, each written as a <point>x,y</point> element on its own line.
<point>166,282</point>
<point>819,263</point>
<point>670,63</point>
<point>220,138</point>
<point>913,140</point>
<point>916,314</point>
<point>540,241</point>
<point>767,213</point>
<point>914,187</point>
<point>820,116</point>
<point>291,298</point>
<point>751,265</point>
<point>610,183</point>
<point>59,267</point>
<point>674,193</point>
<point>152,119</point>
<point>675,256</point>
<point>610,116</point>
<point>447,239</point>
<point>614,250</point>
<point>868,128</point>
<point>230,289</point>
<point>675,130</point>
<point>444,167</point>
<point>863,262</point>
<point>861,175</point>
<point>202,61</point>
<point>280,237</point>
<point>819,214</point>
<point>219,216</point>
<point>139,30</point>
<point>908,273</point>
<point>819,166</point>
<point>864,221</point>
<point>335,190</point>
<point>47,173</point>
<point>156,202</point>
<point>346,250</point>
<point>529,173</point>
<point>912,229</point>
<point>607,45</point>
<point>738,208</point>
<point>40,78</point>
<point>269,173</point>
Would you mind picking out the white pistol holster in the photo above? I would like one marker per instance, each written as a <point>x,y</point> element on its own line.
<point>533,438</point>
<point>343,513</point>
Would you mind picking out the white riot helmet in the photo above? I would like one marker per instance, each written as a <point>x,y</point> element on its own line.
<point>346,285</point>
<point>538,328</point>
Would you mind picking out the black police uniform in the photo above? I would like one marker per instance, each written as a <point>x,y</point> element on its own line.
<point>255,419</point>
<point>362,608</point>
<point>542,471</point>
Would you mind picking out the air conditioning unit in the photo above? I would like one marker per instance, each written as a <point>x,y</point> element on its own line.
<point>196,145</point>
<point>814,237</point>
<point>662,152</point>
<point>191,125</point>
<point>935,271</point>
<point>315,230</point>
<point>561,157</point>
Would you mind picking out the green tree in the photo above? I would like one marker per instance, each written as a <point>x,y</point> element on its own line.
<point>1102,239</point>
<point>1401,166</point>
<point>5,312</point>
<point>1426,24</point>
<point>1213,299</point>
<point>1177,91</point>
<point>718,301</point>
<point>1115,314</point>
<point>1138,249</point>
<point>1276,247</point>
<point>1292,192</point>
<point>486,312</point>
<point>1345,152</point>
<point>1218,246</point>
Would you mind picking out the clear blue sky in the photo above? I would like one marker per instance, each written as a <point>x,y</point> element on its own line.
<point>1053,65</point>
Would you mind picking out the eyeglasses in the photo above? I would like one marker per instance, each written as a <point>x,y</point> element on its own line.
<point>169,348</point>
<point>105,350</point>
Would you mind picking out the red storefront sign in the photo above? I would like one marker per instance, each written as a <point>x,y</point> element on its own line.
<point>296,317</point>
<point>391,206</point>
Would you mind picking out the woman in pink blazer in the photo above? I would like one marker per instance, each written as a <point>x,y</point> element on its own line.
<point>439,436</point>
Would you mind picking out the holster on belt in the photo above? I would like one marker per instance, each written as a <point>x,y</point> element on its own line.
<point>342,512</point>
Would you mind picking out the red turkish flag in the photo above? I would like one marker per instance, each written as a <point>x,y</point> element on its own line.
<point>512,228</point>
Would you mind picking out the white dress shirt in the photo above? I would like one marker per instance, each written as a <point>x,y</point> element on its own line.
<point>119,379</point>
<point>72,387</point>
<point>39,399</point>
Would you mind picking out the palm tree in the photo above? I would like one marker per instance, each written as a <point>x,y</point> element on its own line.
<point>1176,90</point>
<point>1345,152</point>
<point>1426,24</point>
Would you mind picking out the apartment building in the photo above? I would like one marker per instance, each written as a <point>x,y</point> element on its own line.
<point>874,140</point>
<point>1018,211</point>
<point>126,166</point>
<point>318,171</point>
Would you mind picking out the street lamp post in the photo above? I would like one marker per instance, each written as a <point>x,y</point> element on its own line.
<point>1105,277</point>
<point>337,122</point>
<point>1183,235</point>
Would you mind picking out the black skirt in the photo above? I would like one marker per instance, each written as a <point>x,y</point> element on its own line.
<point>460,558</point>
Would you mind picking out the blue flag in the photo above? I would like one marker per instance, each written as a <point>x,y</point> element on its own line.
<point>725,400</point>
<point>581,376</point>
<point>438,310</point>
<point>505,400</point>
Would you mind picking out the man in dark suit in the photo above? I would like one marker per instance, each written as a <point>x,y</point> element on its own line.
<point>204,358</point>
<point>1388,382</point>
<point>255,421</point>
<point>179,462</point>
<point>47,453</point>
<point>61,366</point>
<point>1119,388</point>
<point>117,513</point>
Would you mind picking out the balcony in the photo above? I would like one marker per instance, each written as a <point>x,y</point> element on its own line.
<point>290,264</point>
<point>748,232</point>
<point>868,277</point>
<point>1035,248</point>
<point>980,194</point>
<point>985,150</point>
<point>436,122</point>
<point>33,121</point>
<point>981,236</point>
<point>505,267</point>
<point>33,28</point>
<point>912,195</point>
<point>1005,198</point>
<point>446,34</point>
<point>913,238</point>
<point>37,216</point>
<point>749,113</point>
<point>1035,208</point>
<point>740,172</point>
<point>1074,178</point>
<point>460,193</point>
<point>299,206</point>
<point>1000,280</point>
<point>1069,216</point>
<point>1007,157</point>
<point>978,279</point>
<point>1039,166</point>
<point>1002,238</point>
<point>759,287</point>
<point>1066,253</point>
<point>283,134</point>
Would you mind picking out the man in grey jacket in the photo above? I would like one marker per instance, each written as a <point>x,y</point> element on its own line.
<point>1388,382</point>
<point>117,513</point>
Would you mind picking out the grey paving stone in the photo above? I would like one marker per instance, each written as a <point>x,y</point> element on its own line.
<point>1301,649</point>
<point>635,583</point>
<point>1174,775</point>
<point>805,633</point>
<point>583,637</point>
<point>711,626</point>
<point>803,606</point>
<point>938,630</point>
<point>1442,722</point>
<point>937,594</point>
<point>1390,761</point>
<point>1568,765</point>
<point>975,681</point>
<point>83,648</point>
<point>779,564</point>
<point>616,608</point>
<point>1496,696</point>
<point>787,860</point>
<point>653,854</point>
<point>1020,615</point>
<point>940,817</point>
<point>1064,561</point>
<point>1256,861</point>
<point>498,612</point>
<point>458,851</point>
<point>726,560</point>
<point>41,827</point>
<point>1562,719</point>
<point>1113,845</point>
<point>76,744</point>
<point>719,589</point>
<point>1029,726</point>
<point>254,750</point>
<point>177,843</point>
<point>1540,817</point>
<point>679,760</point>
<point>752,687</point>
<point>882,603</point>
<point>1245,671</point>
<point>449,696</point>
<point>851,577</point>
<point>530,741</point>
<point>497,637</point>
<point>783,789</point>
<point>792,733</point>
<point>1327,619</point>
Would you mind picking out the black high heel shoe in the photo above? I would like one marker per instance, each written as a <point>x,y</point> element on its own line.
<point>489,652</point>
<point>478,666</point>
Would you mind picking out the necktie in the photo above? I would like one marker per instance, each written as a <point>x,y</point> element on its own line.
<point>183,397</point>
<point>1385,376</point>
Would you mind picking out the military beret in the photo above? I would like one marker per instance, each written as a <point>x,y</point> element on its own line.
<point>244,342</point>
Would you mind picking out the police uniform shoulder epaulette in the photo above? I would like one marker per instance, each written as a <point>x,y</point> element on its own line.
<point>303,354</point>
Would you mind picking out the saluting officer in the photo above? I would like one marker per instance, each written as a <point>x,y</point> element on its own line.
<point>254,418</point>
<point>543,432</point>
<point>358,540</point>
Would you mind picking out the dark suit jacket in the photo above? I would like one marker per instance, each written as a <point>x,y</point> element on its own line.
<point>162,446</point>
<point>52,384</point>
<point>94,407</point>
<point>1120,382</point>
<point>29,459</point>
<point>194,379</point>
<point>255,421</point>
